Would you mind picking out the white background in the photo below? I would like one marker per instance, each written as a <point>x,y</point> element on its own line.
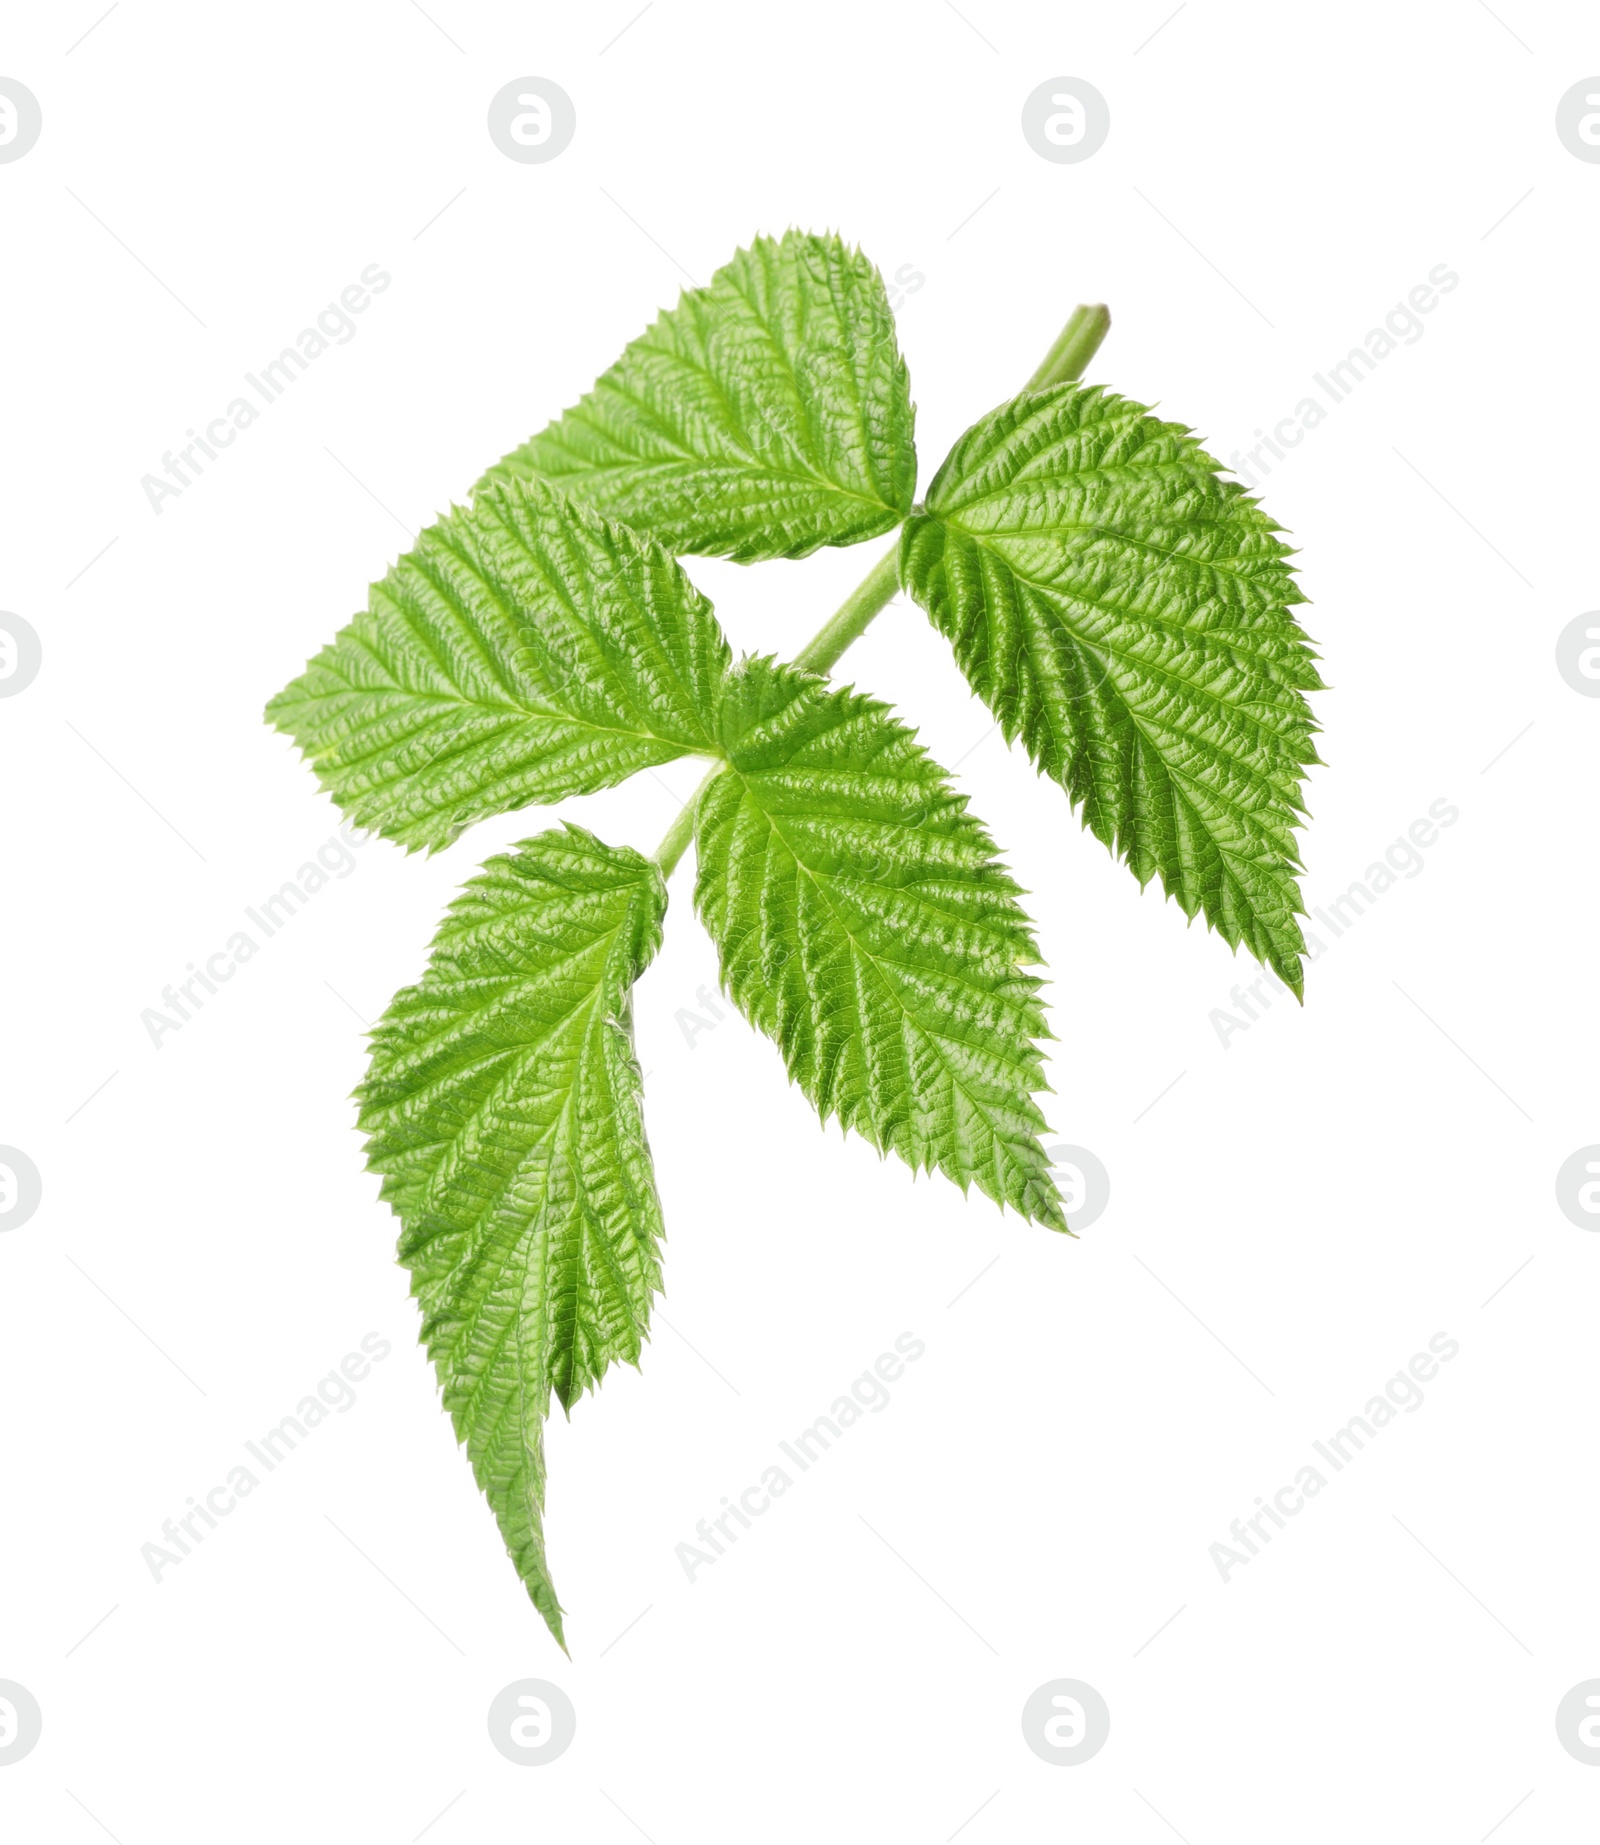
<point>1288,1224</point>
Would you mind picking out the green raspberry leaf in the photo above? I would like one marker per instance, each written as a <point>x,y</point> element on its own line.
<point>1125,611</point>
<point>502,1109</point>
<point>767,414</point>
<point>864,925</point>
<point>527,649</point>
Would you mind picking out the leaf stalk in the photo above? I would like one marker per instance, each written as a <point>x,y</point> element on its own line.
<point>876,590</point>
<point>677,836</point>
<point>1076,344</point>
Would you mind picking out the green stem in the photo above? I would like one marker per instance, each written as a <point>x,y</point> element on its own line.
<point>1076,344</point>
<point>875,591</point>
<point>678,835</point>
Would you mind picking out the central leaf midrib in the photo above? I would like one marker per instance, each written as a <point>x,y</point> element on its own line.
<point>1115,664</point>
<point>741,450</point>
<point>434,706</point>
<point>984,540</point>
<point>872,960</point>
<point>471,1257</point>
<point>1153,744</point>
<point>517,1055</point>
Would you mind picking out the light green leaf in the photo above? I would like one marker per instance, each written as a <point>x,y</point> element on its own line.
<point>865,926</point>
<point>767,414</point>
<point>525,650</point>
<point>1125,611</point>
<point>502,1109</point>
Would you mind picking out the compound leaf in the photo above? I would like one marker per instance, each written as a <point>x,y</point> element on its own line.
<point>1125,611</point>
<point>502,1109</point>
<point>767,414</point>
<point>525,650</point>
<point>864,925</point>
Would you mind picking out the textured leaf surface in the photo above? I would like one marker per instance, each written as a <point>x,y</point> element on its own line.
<point>525,650</point>
<point>502,1109</point>
<point>865,926</point>
<point>765,415</point>
<point>1125,611</point>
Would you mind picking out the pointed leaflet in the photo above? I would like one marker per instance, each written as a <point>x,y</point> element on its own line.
<point>502,1109</point>
<point>864,925</point>
<point>527,649</point>
<point>1125,611</point>
<point>765,415</point>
